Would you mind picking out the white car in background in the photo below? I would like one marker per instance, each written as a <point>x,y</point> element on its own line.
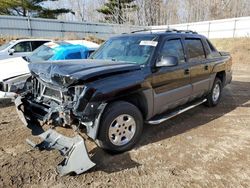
<point>20,47</point>
<point>15,71</point>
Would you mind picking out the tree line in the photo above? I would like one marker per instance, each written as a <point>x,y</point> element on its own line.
<point>134,12</point>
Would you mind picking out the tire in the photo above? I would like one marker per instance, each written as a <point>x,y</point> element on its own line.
<point>121,127</point>
<point>214,96</point>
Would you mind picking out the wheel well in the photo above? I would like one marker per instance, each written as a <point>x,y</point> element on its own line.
<point>222,76</point>
<point>136,99</point>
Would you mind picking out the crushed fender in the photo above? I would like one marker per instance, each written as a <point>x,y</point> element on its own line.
<point>73,149</point>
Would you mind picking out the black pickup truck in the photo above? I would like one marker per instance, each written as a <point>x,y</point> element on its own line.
<point>134,78</point>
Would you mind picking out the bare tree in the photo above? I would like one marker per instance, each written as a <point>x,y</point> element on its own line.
<point>161,12</point>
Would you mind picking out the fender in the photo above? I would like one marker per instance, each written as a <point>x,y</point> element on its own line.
<point>96,95</point>
<point>110,88</point>
<point>222,64</point>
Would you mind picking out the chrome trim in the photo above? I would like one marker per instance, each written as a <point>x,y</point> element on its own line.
<point>171,115</point>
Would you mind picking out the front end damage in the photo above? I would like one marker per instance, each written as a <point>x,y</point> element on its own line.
<point>43,103</point>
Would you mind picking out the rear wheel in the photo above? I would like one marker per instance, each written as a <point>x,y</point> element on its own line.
<point>214,96</point>
<point>120,128</point>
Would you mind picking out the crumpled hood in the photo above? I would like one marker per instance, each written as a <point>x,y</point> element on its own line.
<point>13,67</point>
<point>66,73</point>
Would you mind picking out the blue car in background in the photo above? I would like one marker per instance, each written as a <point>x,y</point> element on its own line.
<point>14,71</point>
<point>64,50</point>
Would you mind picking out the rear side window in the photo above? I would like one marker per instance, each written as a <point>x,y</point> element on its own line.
<point>75,55</point>
<point>174,48</point>
<point>36,44</point>
<point>195,49</point>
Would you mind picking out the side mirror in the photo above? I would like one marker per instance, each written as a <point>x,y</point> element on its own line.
<point>167,61</point>
<point>11,51</point>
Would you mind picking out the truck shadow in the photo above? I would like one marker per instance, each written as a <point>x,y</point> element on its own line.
<point>237,94</point>
<point>112,163</point>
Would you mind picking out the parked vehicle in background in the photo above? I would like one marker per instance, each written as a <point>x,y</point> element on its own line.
<point>131,79</point>
<point>14,71</point>
<point>20,47</point>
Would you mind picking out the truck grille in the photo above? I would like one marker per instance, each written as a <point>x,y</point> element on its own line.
<point>42,92</point>
<point>52,93</point>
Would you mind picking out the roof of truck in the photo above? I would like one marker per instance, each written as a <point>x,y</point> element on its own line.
<point>163,32</point>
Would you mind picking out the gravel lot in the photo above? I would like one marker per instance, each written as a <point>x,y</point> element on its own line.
<point>204,147</point>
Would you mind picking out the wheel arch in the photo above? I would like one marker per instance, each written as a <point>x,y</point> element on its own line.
<point>114,109</point>
<point>143,100</point>
<point>222,76</point>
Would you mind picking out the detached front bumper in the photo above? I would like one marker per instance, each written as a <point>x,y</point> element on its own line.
<point>76,158</point>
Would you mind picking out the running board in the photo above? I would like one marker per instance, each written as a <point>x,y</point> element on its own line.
<point>173,114</point>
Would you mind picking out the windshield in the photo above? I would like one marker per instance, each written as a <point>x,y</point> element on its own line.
<point>6,45</point>
<point>43,53</point>
<point>134,49</point>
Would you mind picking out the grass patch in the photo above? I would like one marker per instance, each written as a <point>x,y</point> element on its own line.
<point>239,48</point>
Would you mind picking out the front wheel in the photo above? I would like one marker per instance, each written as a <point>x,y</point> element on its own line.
<point>120,128</point>
<point>214,96</point>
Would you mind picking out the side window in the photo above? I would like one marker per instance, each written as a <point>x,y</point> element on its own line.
<point>36,44</point>
<point>195,49</point>
<point>174,48</point>
<point>75,55</point>
<point>22,47</point>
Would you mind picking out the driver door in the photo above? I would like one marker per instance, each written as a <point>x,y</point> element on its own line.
<point>172,86</point>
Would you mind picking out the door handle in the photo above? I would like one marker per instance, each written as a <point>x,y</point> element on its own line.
<point>186,71</point>
<point>206,67</point>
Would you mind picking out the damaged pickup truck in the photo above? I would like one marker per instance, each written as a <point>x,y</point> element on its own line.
<point>144,76</point>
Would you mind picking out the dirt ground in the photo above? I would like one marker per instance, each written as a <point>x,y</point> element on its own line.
<point>204,147</point>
